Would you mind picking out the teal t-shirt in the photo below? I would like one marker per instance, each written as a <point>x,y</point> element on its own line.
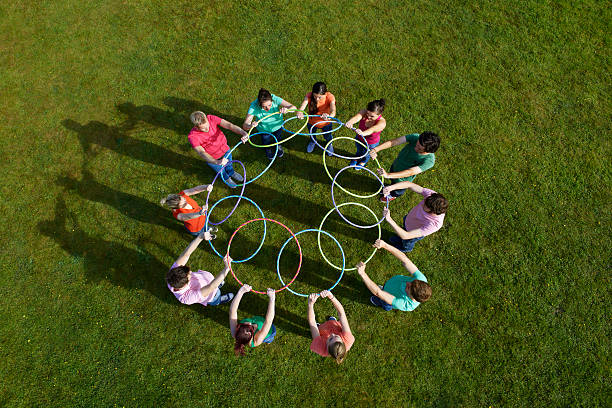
<point>271,124</point>
<point>255,320</point>
<point>397,287</point>
<point>408,158</point>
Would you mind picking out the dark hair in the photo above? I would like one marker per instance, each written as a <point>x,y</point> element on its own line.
<point>430,141</point>
<point>420,291</point>
<point>377,106</point>
<point>318,88</point>
<point>244,334</point>
<point>437,203</point>
<point>337,350</point>
<point>263,95</point>
<point>177,277</point>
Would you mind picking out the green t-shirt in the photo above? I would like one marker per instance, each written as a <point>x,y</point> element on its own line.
<point>397,287</point>
<point>271,124</point>
<point>255,320</point>
<point>408,158</point>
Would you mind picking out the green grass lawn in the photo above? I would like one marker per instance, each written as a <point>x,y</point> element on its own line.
<point>95,98</point>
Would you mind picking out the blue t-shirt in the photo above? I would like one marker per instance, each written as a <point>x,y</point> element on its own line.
<point>397,287</point>
<point>272,123</point>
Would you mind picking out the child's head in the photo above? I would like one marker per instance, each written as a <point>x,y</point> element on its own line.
<point>319,89</point>
<point>336,348</point>
<point>429,141</point>
<point>244,334</point>
<point>420,291</point>
<point>178,277</point>
<point>172,200</point>
<point>436,203</point>
<point>264,99</point>
<point>375,108</point>
<point>197,118</point>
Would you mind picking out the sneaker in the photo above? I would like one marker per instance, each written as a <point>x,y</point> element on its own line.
<point>386,199</point>
<point>330,150</point>
<point>310,147</point>
<point>226,298</point>
<point>230,183</point>
<point>332,318</point>
<point>281,152</point>
<point>237,177</point>
<point>221,285</point>
<point>353,163</point>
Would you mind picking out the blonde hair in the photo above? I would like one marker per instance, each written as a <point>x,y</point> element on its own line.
<point>172,201</point>
<point>197,118</point>
<point>337,350</point>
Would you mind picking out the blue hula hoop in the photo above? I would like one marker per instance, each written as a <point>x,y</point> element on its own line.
<point>264,234</point>
<point>269,165</point>
<point>291,238</point>
<point>239,197</point>
<point>329,119</point>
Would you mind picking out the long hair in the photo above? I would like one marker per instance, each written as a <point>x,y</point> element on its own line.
<point>377,106</point>
<point>172,201</point>
<point>244,334</point>
<point>263,95</point>
<point>318,88</point>
<point>337,350</point>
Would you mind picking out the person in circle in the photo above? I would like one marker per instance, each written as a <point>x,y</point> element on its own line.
<point>400,292</point>
<point>253,330</point>
<point>322,103</point>
<point>260,116</point>
<point>371,124</point>
<point>332,338</point>
<point>186,209</point>
<point>190,287</point>
<point>416,157</point>
<point>423,219</point>
<point>210,143</point>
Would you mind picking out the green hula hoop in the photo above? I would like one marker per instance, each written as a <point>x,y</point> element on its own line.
<point>338,184</point>
<point>281,141</point>
<point>321,227</point>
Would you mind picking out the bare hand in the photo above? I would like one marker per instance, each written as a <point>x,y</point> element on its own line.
<point>227,260</point>
<point>204,209</point>
<point>348,125</point>
<point>373,154</point>
<point>300,115</point>
<point>245,288</point>
<point>382,172</point>
<point>326,294</point>
<point>283,111</point>
<point>254,124</point>
<point>209,188</point>
<point>359,132</point>
<point>361,267</point>
<point>324,116</point>
<point>386,191</point>
<point>244,138</point>
<point>378,244</point>
<point>206,235</point>
<point>312,298</point>
<point>271,293</point>
<point>386,214</point>
<point>224,161</point>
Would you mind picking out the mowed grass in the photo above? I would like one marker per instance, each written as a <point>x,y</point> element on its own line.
<point>95,104</point>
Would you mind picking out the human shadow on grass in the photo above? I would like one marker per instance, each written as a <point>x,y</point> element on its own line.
<point>106,260</point>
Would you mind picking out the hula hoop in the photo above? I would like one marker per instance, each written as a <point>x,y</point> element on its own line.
<point>284,140</point>
<point>282,225</point>
<point>321,228</point>
<point>330,119</point>
<point>333,179</point>
<point>239,198</point>
<point>262,239</point>
<point>298,233</point>
<point>334,200</point>
<point>264,170</point>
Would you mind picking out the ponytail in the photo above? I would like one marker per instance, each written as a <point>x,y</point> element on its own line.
<point>377,106</point>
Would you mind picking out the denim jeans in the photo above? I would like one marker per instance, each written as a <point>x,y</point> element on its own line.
<point>267,139</point>
<point>313,130</point>
<point>227,171</point>
<point>196,233</point>
<point>361,151</point>
<point>217,299</point>
<point>404,245</point>
<point>381,303</point>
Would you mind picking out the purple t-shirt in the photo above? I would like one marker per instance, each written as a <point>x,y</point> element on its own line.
<point>417,218</point>
<point>191,293</point>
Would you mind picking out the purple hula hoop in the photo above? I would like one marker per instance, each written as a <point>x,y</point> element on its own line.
<point>239,198</point>
<point>334,200</point>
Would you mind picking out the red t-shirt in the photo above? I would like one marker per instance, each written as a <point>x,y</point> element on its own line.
<point>213,141</point>
<point>319,344</point>
<point>194,224</point>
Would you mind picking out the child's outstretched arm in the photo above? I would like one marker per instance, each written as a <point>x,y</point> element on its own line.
<point>193,245</point>
<point>410,267</point>
<point>339,308</point>
<point>312,321</point>
<point>198,189</point>
<point>214,284</point>
<point>263,332</point>
<point>401,232</point>
<point>373,287</point>
<point>233,311</point>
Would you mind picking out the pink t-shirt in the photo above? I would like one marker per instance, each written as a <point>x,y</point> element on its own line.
<point>319,344</point>
<point>191,293</point>
<point>417,218</point>
<point>213,141</point>
<point>374,137</point>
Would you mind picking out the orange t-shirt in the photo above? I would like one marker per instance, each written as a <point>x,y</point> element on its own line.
<point>323,106</point>
<point>194,224</point>
<point>319,344</point>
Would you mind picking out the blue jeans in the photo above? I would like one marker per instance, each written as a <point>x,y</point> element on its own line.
<point>267,139</point>
<point>270,337</point>
<point>217,299</point>
<point>326,128</point>
<point>196,233</point>
<point>381,303</point>
<point>404,245</point>
<point>397,193</point>
<point>361,151</point>
<point>228,171</point>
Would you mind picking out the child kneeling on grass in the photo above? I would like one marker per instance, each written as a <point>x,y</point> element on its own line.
<point>254,330</point>
<point>331,338</point>
<point>197,287</point>
<point>400,292</point>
